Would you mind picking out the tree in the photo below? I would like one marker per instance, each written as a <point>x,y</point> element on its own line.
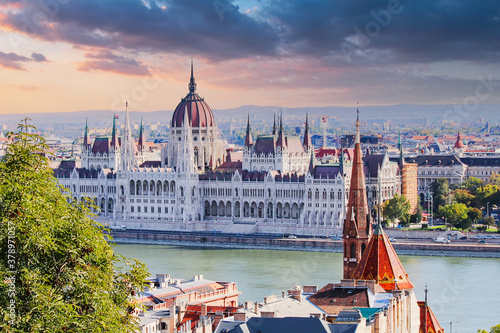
<point>58,273</point>
<point>495,178</point>
<point>440,192</point>
<point>471,184</point>
<point>494,329</point>
<point>397,208</point>
<point>463,196</point>
<point>455,214</point>
<point>417,217</point>
<point>474,214</point>
<point>488,220</point>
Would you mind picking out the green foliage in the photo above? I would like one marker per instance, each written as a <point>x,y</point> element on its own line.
<point>455,214</point>
<point>474,215</point>
<point>57,271</point>
<point>417,217</point>
<point>440,192</point>
<point>495,178</point>
<point>397,208</point>
<point>471,184</point>
<point>488,220</point>
<point>494,329</point>
<point>463,196</point>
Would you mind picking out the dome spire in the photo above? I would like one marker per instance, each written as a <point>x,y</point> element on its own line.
<point>248,137</point>
<point>192,84</point>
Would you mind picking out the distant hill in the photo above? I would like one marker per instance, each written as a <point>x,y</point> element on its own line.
<point>394,113</point>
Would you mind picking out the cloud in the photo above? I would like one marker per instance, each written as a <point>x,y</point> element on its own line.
<point>38,57</point>
<point>389,31</point>
<point>14,61</point>
<point>216,29</point>
<point>107,61</point>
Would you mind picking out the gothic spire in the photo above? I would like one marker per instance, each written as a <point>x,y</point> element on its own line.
<point>192,83</point>
<point>401,155</point>
<point>248,137</point>
<point>114,135</point>
<point>128,151</point>
<point>357,227</point>
<point>86,137</point>
<point>281,142</point>
<point>307,144</point>
<point>142,139</point>
<point>311,163</point>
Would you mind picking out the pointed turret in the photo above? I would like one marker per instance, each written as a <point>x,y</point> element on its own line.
<point>248,137</point>
<point>312,163</point>
<point>307,144</point>
<point>142,138</point>
<point>86,136</point>
<point>114,135</point>
<point>281,141</point>
<point>128,145</point>
<point>357,227</point>
<point>381,263</point>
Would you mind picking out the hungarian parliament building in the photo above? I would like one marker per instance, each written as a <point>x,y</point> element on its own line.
<point>278,185</point>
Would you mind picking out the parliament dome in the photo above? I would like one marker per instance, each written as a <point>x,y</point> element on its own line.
<point>199,113</point>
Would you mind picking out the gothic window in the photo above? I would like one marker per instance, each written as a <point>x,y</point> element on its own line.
<point>316,195</point>
<point>353,250</point>
<point>324,195</point>
<point>309,194</point>
<point>363,248</point>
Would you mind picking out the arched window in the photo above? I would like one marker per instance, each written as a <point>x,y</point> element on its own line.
<point>363,248</point>
<point>309,194</point>
<point>353,250</point>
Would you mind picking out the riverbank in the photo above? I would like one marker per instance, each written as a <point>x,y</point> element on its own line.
<point>299,244</point>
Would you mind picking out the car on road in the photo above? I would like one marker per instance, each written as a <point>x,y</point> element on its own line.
<point>123,227</point>
<point>463,238</point>
<point>292,237</point>
<point>393,240</point>
<point>442,240</point>
<point>482,242</point>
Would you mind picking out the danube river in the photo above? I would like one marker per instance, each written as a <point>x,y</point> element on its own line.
<point>463,291</point>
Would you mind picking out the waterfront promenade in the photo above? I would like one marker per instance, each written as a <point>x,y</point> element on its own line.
<point>410,246</point>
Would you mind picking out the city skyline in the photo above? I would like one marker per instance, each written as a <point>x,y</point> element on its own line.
<point>58,56</point>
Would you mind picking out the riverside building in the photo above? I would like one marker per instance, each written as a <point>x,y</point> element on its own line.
<point>276,187</point>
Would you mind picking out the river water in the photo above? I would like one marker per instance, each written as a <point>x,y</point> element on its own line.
<point>463,291</point>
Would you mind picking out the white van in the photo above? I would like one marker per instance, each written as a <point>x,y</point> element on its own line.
<point>442,240</point>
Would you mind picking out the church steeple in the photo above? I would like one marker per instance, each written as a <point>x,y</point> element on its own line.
<point>357,227</point>
<point>192,83</point>
<point>281,142</point>
<point>128,150</point>
<point>86,136</point>
<point>114,135</point>
<point>248,137</point>
<point>142,139</point>
<point>307,144</point>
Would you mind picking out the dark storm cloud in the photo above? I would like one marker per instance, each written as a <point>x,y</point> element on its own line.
<point>14,61</point>
<point>338,31</point>
<point>215,29</point>
<point>391,30</point>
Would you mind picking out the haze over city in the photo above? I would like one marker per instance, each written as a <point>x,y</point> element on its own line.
<point>59,56</point>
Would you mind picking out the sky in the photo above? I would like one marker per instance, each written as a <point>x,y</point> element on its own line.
<point>73,55</point>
